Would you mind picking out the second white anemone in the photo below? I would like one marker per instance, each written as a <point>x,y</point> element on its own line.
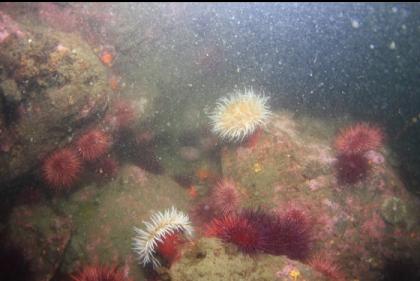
<point>238,115</point>
<point>160,225</point>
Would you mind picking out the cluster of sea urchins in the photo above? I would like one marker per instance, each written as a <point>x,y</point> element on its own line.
<point>352,143</point>
<point>254,231</point>
<point>62,168</point>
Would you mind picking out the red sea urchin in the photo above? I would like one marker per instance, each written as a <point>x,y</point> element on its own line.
<point>358,139</point>
<point>237,229</point>
<point>60,170</point>
<point>258,231</point>
<point>327,267</point>
<point>100,273</point>
<point>291,235</point>
<point>225,197</point>
<point>93,144</point>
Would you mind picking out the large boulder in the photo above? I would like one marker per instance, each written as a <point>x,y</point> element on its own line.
<point>42,235</point>
<point>52,85</point>
<point>209,259</point>
<point>365,225</point>
<point>105,216</point>
<point>93,225</point>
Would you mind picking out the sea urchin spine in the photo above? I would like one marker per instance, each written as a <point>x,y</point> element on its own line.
<point>358,139</point>
<point>255,231</point>
<point>225,197</point>
<point>61,169</point>
<point>100,273</point>
<point>93,144</point>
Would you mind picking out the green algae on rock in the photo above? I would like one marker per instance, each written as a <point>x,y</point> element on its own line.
<point>55,85</point>
<point>290,167</point>
<point>104,217</point>
<point>209,259</point>
<point>44,236</point>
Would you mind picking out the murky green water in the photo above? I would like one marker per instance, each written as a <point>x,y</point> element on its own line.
<point>218,141</point>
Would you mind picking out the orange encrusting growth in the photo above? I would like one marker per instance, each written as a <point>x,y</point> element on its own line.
<point>107,58</point>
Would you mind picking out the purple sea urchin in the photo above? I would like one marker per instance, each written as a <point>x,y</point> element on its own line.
<point>259,231</point>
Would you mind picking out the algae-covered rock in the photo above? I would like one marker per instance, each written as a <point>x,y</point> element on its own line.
<point>280,166</point>
<point>43,235</point>
<point>52,86</point>
<point>211,260</point>
<point>293,164</point>
<point>105,216</point>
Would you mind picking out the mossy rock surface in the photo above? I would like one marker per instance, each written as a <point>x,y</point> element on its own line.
<point>106,215</point>
<point>293,164</point>
<point>43,235</point>
<point>211,260</point>
<point>53,86</point>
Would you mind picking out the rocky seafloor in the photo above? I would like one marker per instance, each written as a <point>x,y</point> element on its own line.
<point>362,227</point>
<point>367,226</point>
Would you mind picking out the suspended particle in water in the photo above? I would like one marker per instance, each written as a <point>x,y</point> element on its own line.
<point>355,23</point>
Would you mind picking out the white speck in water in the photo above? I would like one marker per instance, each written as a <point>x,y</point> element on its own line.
<point>371,46</point>
<point>394,9</point>
<point>355,24</point>
<point>392,45</point>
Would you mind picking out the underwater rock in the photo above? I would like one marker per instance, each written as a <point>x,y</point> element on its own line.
<point>105,216</point>
<point>48,79</point>
<point>209,259</point>
<point>189,153</point>
<point>8,27</point>
<point>361,223</point>
<point>10,91</point>
<point>43,235</point>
